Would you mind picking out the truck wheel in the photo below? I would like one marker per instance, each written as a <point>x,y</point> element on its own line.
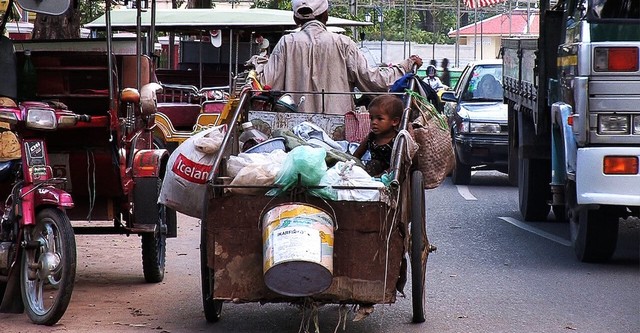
<point>594,233</point>
<point>513,145</point>
<point>461,174</point>
<point>533,189</point>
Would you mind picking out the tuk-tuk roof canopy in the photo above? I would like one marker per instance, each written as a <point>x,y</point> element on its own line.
<point>207,19</point>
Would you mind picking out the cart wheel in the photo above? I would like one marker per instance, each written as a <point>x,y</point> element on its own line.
<point>419,246</point>
<point>212,308</point>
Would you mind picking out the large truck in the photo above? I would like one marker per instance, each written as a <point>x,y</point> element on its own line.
<point>574,119</point>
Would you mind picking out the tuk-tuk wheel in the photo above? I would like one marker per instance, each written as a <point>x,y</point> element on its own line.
<point>212,308</point>
<point>419,246</point>
<point>154,245</point>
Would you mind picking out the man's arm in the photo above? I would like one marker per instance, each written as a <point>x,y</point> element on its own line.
<point>368,78</point>
<point>272,72</point>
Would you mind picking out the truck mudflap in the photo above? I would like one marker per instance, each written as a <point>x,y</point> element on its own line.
<point>564,147</point>
<point>596,187</point>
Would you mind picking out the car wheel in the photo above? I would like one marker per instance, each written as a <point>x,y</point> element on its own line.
<point>461,174</point>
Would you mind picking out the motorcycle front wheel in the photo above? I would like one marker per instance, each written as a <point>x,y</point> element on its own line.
<point>48,267</point>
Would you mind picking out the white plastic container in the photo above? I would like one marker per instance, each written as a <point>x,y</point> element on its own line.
<point>250,136</point>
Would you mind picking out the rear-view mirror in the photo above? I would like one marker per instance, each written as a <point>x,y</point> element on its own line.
<point>448,96</point>
<point>49,7</point>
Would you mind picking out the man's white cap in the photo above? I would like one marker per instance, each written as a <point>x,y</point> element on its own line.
<point>308,9</point>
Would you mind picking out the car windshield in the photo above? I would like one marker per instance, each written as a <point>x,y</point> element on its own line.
<point>615,9</point>
<point>485,84</point>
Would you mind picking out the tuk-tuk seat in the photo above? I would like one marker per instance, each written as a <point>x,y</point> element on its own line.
<point>183,115</point>
<point>129,71</point>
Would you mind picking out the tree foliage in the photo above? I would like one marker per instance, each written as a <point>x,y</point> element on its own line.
<point>421,26</point>
<point>64,26</point>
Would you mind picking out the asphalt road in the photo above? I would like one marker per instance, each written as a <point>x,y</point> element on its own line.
<point>491,273</point>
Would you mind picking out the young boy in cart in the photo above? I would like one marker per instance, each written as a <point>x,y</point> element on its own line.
<point>385,114</point>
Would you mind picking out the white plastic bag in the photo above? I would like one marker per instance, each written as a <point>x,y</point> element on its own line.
<point>255,175</point>
<point>188,169</point>
<point>236,163</point>
<point>255,169</point>
<point>349,174</point>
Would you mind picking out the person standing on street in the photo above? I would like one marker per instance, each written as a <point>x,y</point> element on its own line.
<point>432,79</point>
<point>316,60</point>
<point>446,76</point>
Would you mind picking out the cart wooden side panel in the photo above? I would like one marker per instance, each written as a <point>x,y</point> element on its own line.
<point>361,256</point>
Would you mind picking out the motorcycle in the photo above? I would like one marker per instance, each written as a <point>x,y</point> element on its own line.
<point>37,242</point>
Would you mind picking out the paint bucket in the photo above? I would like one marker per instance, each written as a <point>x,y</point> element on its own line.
<point>297,245</point>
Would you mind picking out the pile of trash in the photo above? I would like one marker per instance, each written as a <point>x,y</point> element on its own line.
<point>303,156</point>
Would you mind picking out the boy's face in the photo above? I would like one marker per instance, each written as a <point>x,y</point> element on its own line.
<point>381,122</point>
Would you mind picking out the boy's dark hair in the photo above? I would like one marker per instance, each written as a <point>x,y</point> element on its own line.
<point>391,104</point>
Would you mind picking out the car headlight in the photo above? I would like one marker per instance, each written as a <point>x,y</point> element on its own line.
<point>636,124</point>
<point>41,119</point>
<point>613,124</point>
<point>484,128</point>
<point>463,127</point>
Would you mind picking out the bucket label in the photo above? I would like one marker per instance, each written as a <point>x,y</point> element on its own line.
<point>296,243</point>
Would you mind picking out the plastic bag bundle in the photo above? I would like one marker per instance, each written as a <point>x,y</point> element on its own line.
<point>303,162</point>
<point>255,169</point>
<point>349,174</point>
<point>242,160</point>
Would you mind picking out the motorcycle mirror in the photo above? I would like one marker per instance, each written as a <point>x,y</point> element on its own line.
<point>49,7</point>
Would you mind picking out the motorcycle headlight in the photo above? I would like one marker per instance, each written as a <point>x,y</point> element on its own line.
<point>41,119</point>
<point>613,124</point>
<point>484,128</point>
<point>8,117</point>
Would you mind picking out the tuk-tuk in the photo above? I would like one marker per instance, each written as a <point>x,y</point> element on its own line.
<point>113,170</point>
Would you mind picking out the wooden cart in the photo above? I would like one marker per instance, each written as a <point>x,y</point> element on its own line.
<point>370,241</point>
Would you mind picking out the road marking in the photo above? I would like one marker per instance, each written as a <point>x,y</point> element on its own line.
<point>536,231</point>
<point>465,193</point>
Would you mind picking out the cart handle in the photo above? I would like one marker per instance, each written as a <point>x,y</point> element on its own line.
<point>230,130</point>
<point>397,157</point>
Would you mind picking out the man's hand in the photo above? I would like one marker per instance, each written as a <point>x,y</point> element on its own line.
<point>417,60</point>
